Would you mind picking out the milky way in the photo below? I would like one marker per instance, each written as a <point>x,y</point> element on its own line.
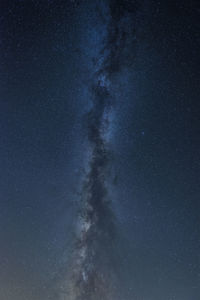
<point>92,274</point>
<point>99,150</point>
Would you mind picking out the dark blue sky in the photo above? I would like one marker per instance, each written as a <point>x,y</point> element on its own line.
<point>58,58</point>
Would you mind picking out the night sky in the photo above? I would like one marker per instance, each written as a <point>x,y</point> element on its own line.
<point>99,150</point>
